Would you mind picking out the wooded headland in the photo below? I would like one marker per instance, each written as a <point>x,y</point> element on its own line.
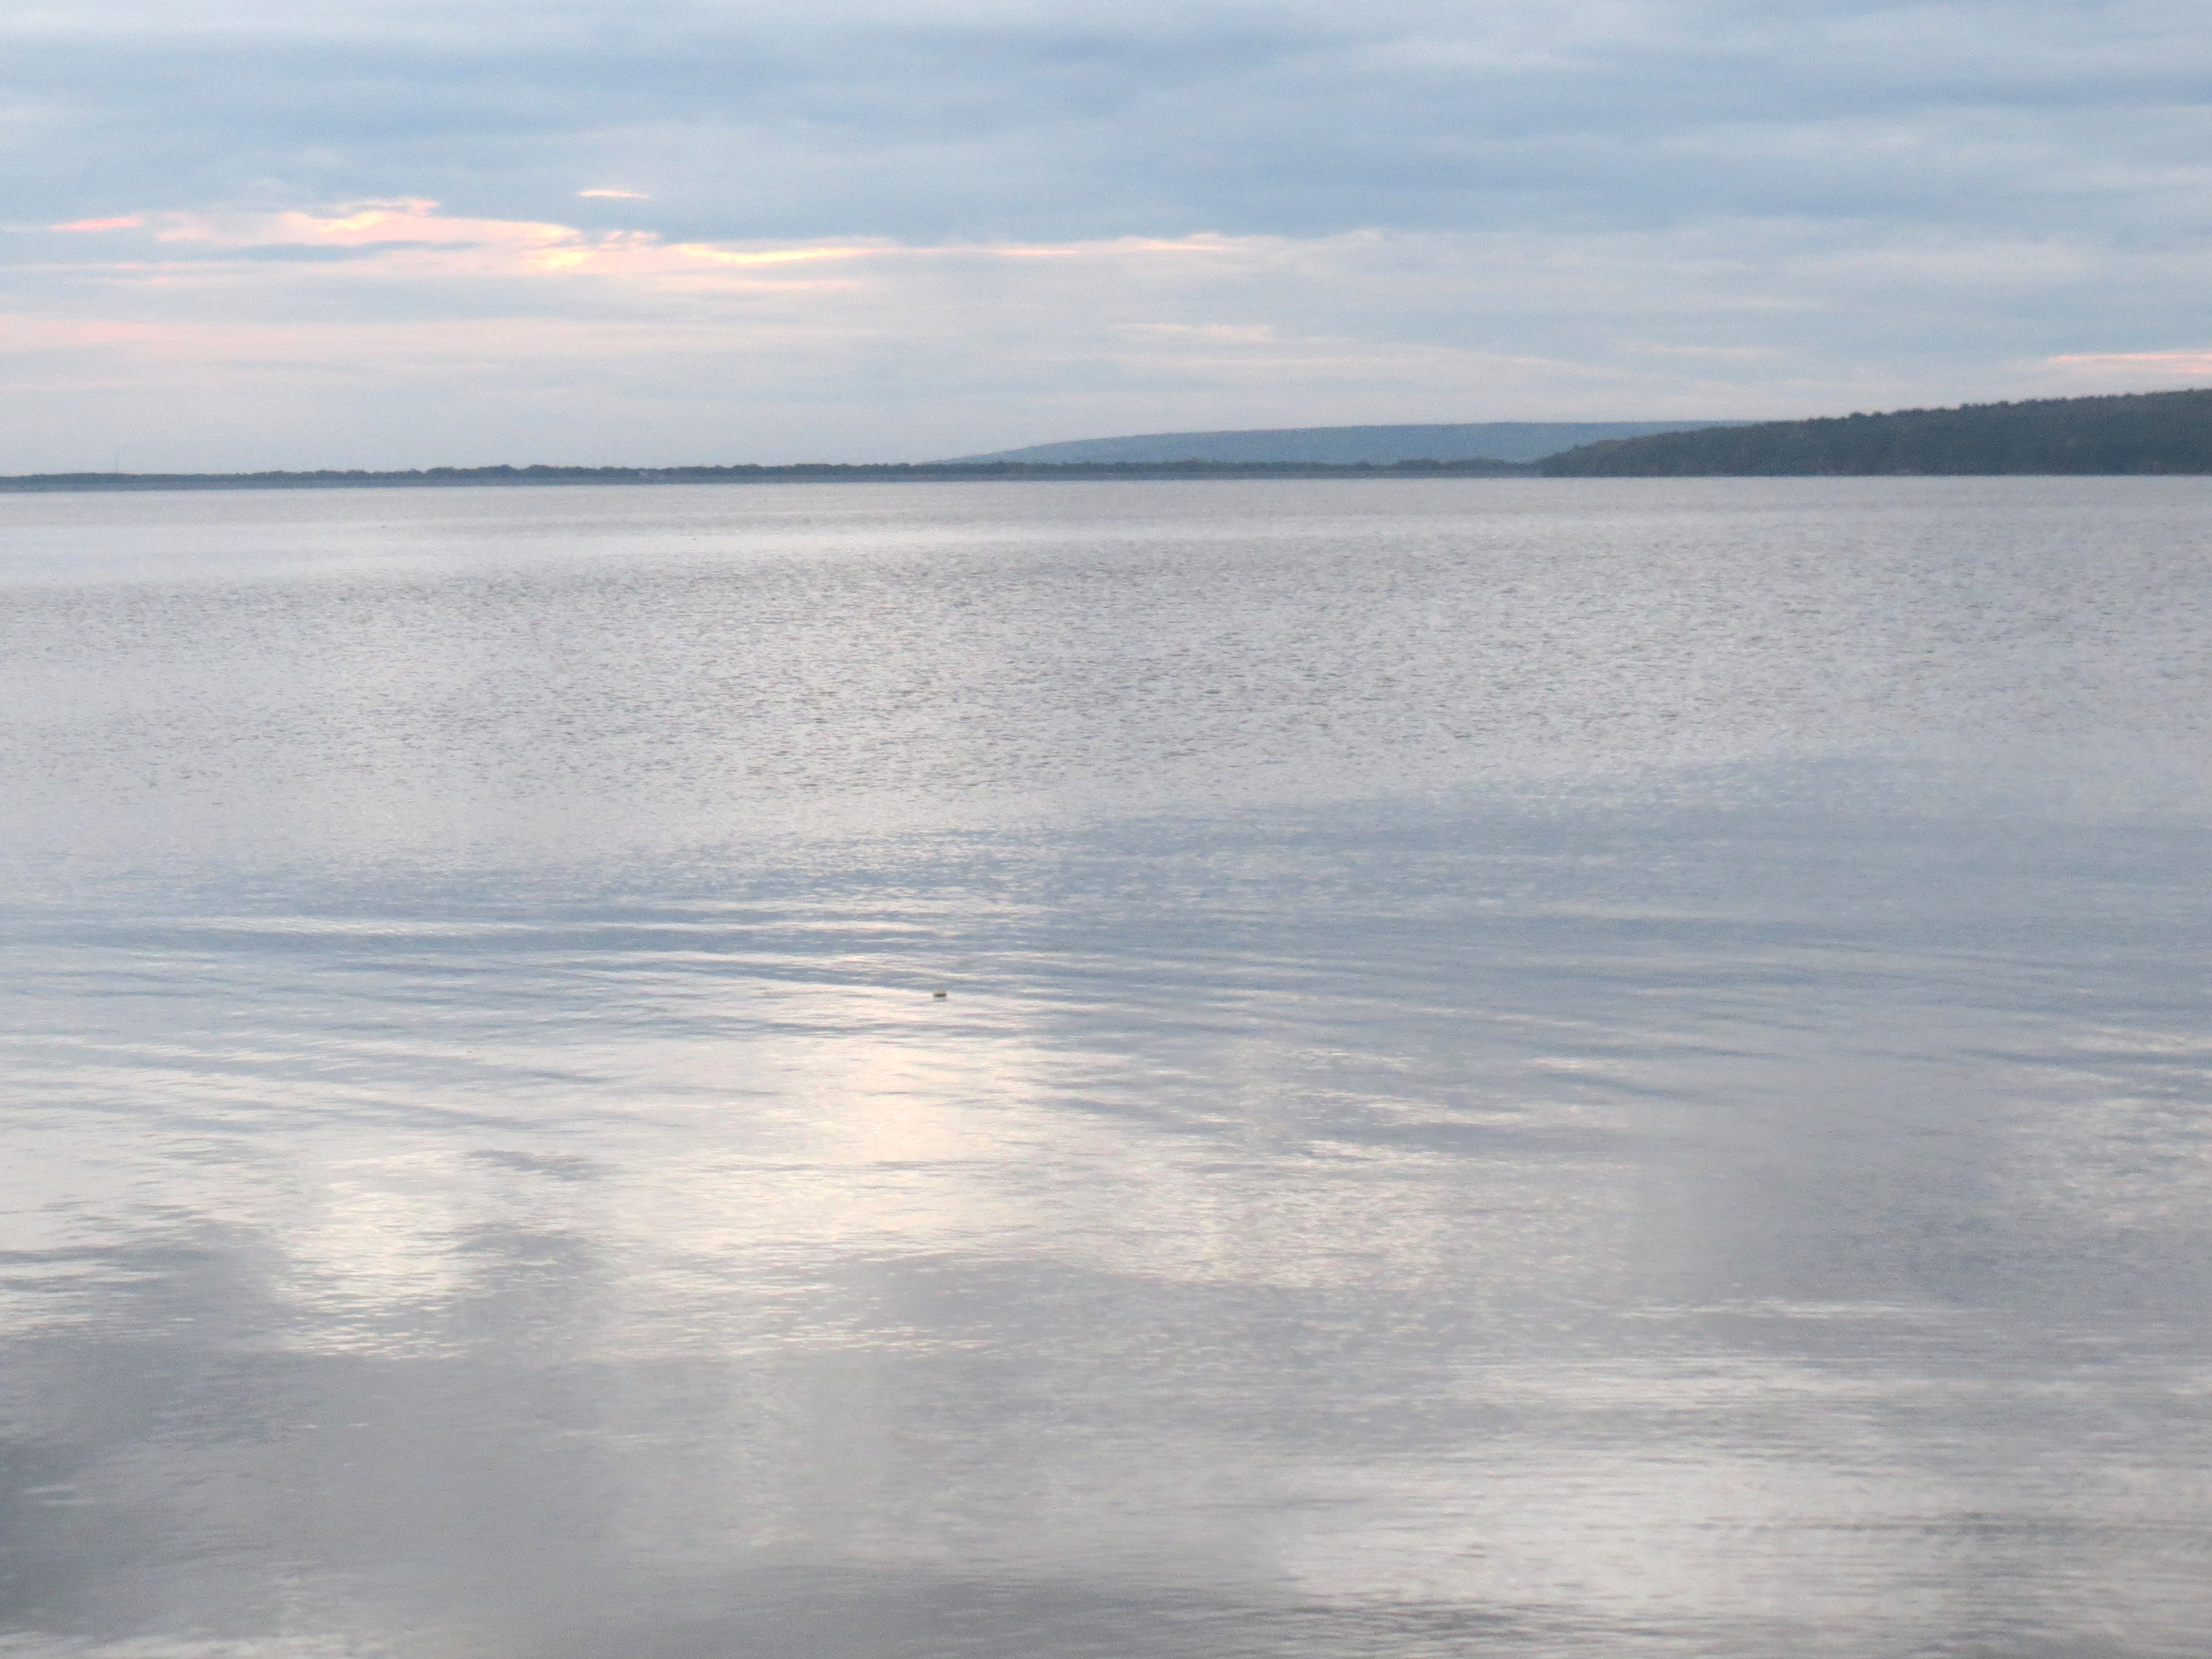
<point>2144,432</point>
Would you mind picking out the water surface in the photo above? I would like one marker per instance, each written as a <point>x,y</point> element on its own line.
<point>1581,1067</point>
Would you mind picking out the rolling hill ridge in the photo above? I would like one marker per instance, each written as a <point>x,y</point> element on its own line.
<point>1343,446</point>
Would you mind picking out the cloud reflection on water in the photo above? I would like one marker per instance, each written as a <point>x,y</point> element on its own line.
<point>1592,1200</point>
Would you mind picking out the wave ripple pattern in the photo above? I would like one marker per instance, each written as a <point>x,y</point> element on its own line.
<point>1099,1070</point>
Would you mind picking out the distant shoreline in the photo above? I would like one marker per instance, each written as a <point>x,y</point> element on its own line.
<point>2136,433</point>
<point>449,478</point>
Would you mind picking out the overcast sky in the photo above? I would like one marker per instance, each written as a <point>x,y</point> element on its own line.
<point>286,233</point>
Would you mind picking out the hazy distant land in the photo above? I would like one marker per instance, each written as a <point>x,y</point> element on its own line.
<point>1350,446</point>
<point>805,473</point>
<point>2132,433</point>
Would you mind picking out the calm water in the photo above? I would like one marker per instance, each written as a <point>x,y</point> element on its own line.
<point>1608,1068</point>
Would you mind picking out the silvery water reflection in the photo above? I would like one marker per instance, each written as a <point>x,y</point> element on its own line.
<point>1541,1069</point>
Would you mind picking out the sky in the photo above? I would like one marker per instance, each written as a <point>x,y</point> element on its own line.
<point>293,233</point>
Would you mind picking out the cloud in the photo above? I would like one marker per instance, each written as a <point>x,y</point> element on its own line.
<point>404,333</point>
<point>928,121</point>
<point>1676,201</point>
<point>2159,363</point>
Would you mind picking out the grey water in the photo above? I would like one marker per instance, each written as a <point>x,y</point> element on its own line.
<point>1301,1069</point>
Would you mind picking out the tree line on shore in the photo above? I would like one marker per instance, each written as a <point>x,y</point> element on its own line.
<point>2144,432</point>
<point>800,472</point>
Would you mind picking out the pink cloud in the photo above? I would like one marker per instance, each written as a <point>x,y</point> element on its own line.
<point>411,235</point>
<point>99,224</point>
<point>2174,363</point>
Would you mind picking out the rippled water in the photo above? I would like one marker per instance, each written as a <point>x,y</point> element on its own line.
<point>1574,1068</point>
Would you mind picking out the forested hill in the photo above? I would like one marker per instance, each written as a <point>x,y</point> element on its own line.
<point>2136,433</point>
